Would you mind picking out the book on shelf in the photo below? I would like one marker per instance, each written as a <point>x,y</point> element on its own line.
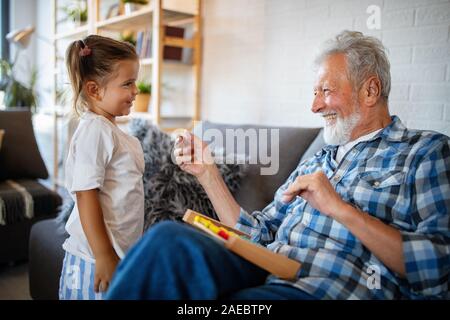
<point>139,37</point>
<point>173,53</point>
<point>240,243</point>
<point>144,44</point>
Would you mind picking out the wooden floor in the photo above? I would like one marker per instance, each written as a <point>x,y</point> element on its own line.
<point>14,282</point>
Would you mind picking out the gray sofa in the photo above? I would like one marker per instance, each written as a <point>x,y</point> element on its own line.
<point>255,193</point>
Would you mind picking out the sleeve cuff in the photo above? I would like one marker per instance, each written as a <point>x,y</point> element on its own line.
<point>426,264</point>
<point>249,225</point>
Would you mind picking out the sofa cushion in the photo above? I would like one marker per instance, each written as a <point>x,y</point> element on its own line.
<point>257,190</point>
<point>19,155</point>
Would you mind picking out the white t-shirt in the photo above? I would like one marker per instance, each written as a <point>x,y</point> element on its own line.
<point>342,150</point>
<point>103,157</point>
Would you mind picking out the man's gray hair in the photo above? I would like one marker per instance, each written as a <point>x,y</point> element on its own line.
<point>366,56</point>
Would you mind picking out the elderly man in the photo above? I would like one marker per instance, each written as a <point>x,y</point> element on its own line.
<point>375,199</point>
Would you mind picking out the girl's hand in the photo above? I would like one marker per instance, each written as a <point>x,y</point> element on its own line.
<point>193,155</point>
<point>104,269</point>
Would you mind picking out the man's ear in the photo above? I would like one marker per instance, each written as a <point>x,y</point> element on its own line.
<point>371,91</point>
<point>93,90</point>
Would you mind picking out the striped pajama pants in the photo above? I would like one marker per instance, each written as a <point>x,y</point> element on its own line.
<point>77,279</point>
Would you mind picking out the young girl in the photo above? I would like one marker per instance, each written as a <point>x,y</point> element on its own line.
<point>104,167</point>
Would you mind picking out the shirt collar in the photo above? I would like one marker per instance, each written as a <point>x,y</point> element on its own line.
<point>393,132</point>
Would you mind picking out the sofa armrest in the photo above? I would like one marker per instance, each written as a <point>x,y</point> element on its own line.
<point>45,258</point>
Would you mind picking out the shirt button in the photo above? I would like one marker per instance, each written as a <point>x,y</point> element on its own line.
<point>336,177</point>
<point>376,184</point>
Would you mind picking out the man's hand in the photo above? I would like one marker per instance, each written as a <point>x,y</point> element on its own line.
<point>105,265</point>
<point>318,191</point>
<point>192,154</point>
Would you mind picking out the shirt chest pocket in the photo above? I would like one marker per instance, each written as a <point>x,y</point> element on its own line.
<point>382,194</point>
<point>380,180</point>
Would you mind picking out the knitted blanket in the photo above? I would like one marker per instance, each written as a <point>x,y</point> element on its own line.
<point>25,199</point>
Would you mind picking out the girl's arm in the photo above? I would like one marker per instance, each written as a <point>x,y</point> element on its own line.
<point>94,227</point>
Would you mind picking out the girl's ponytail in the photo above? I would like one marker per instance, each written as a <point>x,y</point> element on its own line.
<point>74,68</point>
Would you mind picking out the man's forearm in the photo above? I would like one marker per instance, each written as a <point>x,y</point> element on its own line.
<point>221,198</point>
<point>384,241</point>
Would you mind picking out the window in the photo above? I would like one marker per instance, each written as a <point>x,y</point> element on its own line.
<point>4,29</point>
<point>4,46</point>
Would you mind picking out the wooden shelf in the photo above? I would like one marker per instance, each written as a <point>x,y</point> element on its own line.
<point>149,62</point>
<point>187,7</point>
<point>72,33</point>
<point>180,22</point>
<point>166,121</point>
<point>172,17</point>
<point>139,19</point>
<point>169,123</point>
<point>178,42</point>
<point>146,62</point>
<point>135,20</point>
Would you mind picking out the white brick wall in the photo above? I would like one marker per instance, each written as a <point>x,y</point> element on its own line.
<point>447,112</point>
<point>258,57</point>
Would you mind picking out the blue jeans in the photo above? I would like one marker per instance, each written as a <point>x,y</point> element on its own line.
<point>175,261</point>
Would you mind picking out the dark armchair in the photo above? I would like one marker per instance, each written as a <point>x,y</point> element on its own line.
<point>24,200</point>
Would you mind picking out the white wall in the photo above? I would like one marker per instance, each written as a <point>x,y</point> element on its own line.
<point>258,57</point>
<point>44,53</point>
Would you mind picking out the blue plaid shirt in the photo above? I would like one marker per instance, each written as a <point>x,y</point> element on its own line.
<point>399,176</point>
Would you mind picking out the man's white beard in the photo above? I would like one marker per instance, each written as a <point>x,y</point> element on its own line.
<point>340,132</point>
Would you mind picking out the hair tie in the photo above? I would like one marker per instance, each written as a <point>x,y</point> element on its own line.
<point>85,50</point>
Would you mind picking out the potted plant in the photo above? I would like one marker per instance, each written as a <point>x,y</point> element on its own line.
<point>77,13</point>
<point>17,94</point>
<point>143,97</point>
<point>128,37</point>
<point>133,5</point>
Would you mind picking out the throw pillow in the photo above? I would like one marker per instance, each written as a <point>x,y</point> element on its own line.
<point>168,190</point>
<point>19,155</point>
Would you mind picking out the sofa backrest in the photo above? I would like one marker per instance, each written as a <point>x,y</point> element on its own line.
<point>257,190</point>
<point>19,155</point>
